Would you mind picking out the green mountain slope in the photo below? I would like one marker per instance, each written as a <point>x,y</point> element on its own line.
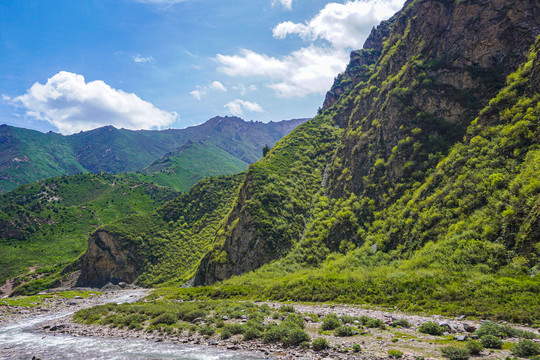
<point>27,156</point>
<point>164,245</point>
<point>48,222</point>
<point>190,163</point>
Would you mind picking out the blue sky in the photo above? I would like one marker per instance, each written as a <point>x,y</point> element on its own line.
<point>76,65</point>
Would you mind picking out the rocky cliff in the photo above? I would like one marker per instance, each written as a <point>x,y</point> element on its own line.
<point>108,259</point>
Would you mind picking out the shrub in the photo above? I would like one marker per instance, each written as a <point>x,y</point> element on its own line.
<point>404,323</point>
<point>330,322</point>
<point>320,344</point>
<point>475,347</point>
<point>231,329</point>
<point>346,319</point>
<point>207,330</point>
<point>395,354</point>
<point>431,328</point>
<point>275,334</point>
<point>343,331</point>
<point>375,323</point>
<point>166,318</point>
<point>295,336</point>
<point>503,331</point>
<point>491,342</point>
<point>287,309</point>
<point>251,333</point>
<point>356,348</point>
<point>526,348</point>
<point>455,353</point>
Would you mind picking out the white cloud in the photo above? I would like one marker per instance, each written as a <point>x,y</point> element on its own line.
<point>237,107</point>
<point>311,69</point>
<point>216,85</point>
<point>203,90</point>
<point>287,4</point>
<point>303,72</point>
<point>72,105</point>
<point>342,25</point>
<point>143,59</point>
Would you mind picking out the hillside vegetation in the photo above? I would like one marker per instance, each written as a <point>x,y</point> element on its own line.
<point>47,222</point>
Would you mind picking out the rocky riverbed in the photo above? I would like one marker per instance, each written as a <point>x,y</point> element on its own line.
<point>375,343</point>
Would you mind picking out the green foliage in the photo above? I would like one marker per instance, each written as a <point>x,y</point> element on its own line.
<point>320,344</point>
<point>491,342</point>
<point>474,347</point>
<point>431,328</point>
<point>356,348</point>
<point>54,217</point>
<point>287,308</point>
<point>404,323</point>
<point>526,348</point>
<point>330,322</point>
<point>455,353</point>
<point>344,331</point>
<point>503,331</point>
<point>395,354</point>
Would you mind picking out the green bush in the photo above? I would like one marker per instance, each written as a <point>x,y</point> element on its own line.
<point>231,329</point>
<point>275,334</point>
<point>166,318</point>
<point>475,347</point>
<point>395,354</point>
<point>251,333</point>
<point>404,323</point>
<point>287,309</point>
<point>344,331</point>
<point>526,348</point>
<point>320,344</point>
<point>503,331</point>
<point>491,342</point>
<point>375,323</point>
<point>330,322</point>
<point>431,328</point>
<point>356,348</point>
<point>207,330</point>
<point>455,353</point>
<point>295,336</point>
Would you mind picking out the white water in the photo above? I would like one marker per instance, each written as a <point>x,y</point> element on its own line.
<point>21,340</point>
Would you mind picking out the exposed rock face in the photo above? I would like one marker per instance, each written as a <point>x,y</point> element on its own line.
<point>441,63</point>
<point>108,260</point>
<point>242,251</point>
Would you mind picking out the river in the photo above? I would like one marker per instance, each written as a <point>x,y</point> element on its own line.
<point>23,340</point>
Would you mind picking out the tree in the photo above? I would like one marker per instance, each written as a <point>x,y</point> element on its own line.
<point>266,149</point>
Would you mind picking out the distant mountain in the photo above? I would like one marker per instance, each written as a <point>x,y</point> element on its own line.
<point>27,155</point>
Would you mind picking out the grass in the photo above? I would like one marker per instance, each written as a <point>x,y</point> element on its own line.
<point>36,300</point>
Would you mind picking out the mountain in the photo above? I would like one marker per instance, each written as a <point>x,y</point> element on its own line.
<point>415,187</point>
<point>27,155</point>
<point>190,163</point>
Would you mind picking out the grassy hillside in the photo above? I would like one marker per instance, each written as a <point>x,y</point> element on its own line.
<point>27,156</point>
<point>170,241</point>
<point>192,162</point>
<point>47,222</point>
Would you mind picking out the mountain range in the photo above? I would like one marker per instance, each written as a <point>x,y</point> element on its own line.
<point>27,155</point>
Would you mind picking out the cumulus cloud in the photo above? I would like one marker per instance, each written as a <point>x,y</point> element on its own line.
<point>287,4</point>
<point>71,104</point>
<point>203,90</point>
<point>342,25</point>
<point>305,71</point>
<point>237,107</point>
<point>332,34</point>
<point>142,59</point>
